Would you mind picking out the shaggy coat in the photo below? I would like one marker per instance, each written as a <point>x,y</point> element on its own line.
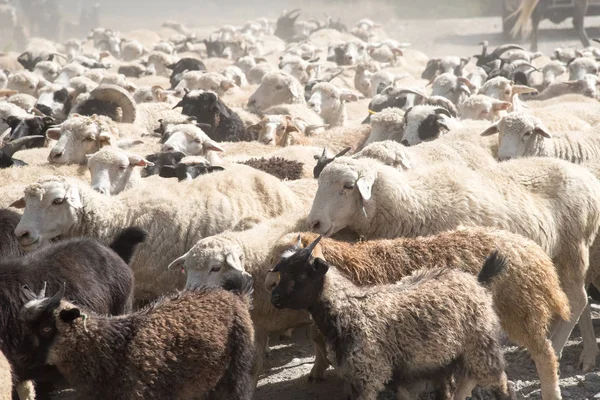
<point>278,167</point>
<point>552,202</point>
<point>527,296</point>
<point>180,347</point>
<point>426,326</point>
<point>9,246</point>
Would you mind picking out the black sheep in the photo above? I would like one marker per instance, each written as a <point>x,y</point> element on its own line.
<point>183,65</point>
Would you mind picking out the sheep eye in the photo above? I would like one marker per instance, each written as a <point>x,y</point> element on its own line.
<point>122,167</point>
<point>89,139</point>
<point>527,133</point>
<point>58,201</point>
<point>216,268</point>
<point>198,140</point>
<point>278,87</point>
<point>333,96</point>
<point>349,186</point>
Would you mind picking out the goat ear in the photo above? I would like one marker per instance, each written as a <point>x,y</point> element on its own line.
<point>137,161</point>
<point>180,104</point>
<point>234,261</point>
<point>320,267</point>
<point>212,145</point>
<point>19,203</point>
<point>53,133</point>
<point>223,109</point>
<point>364,185</point>
<point>541,130</point>
<point>490,131</point>
<point>70,315</point>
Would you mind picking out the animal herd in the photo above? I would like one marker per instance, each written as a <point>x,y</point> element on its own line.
<point>169,202</point>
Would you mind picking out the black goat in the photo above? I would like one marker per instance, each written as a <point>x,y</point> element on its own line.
<point>226,125</point>
<point>9,149</point>
<point>183,65</point>
<point>35,126</point>
<point>9,245</point>
<point>94,274</point>
<point>285,26</point>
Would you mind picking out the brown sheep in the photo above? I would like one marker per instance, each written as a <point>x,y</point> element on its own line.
<point>527,297</point>
<point>278,167</point>
<point>432,324</point>
<point>181,347</point>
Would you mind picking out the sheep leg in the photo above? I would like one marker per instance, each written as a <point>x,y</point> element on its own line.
<point>581,7</point>
<point>587,360</point>
<point>317,372</point>
<point>261,337</point>
<point>546,364</point>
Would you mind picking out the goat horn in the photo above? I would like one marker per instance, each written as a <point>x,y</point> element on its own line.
<point>412,91</point>
<point>504,48</point>
<point>324,151</point>
<point>42,293</point>
<point>341,153</point>
<point>442,110</point>
<point>10,148</point>
<point>55,300</point>
<point>520,63</point>
<point>37,112</point>
<point>314,244</point>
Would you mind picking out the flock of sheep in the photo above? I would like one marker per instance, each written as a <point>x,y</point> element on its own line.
<point>170,202</point>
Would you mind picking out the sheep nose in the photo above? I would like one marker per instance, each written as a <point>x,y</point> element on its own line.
<point>168,148</point>
<point>22,235</point>
<point>348,59</point>
<point>404,143</point>
<point>100,190</point>
<point>315,225</point>
<point>57,154</point>
<point>251,103</point>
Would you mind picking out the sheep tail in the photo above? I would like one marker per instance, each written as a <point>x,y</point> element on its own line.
<point>493,266</point>
<point>126,241</point>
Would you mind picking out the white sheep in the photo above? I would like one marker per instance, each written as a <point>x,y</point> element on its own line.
<point>276,88</point>
<point>25,82</point>
<point>362,78</point>
<point>535,197</point>
<point>191,140</point>
<point>175,218</point>
<point>483,107</point>
<point>328,101</point>
<point>521,135</point>
<point>113,171</point>
<point>503,89</point>
<point>201,80</point>
<point>296,66</point>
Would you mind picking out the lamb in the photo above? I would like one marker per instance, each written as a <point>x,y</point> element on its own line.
<point>190,140</point>
<point>208,108</point>
<point>362,78</point>
<point>456,89</point>
<point>328,101</point>
<point>98,278</point>
<point>503,89</point>
<point>530,274</point>
<point>521,135</point>
<point>353,194</point>
<point>176,218</point>
<point>444,298</point>
<point>113,171</point>
<point>6,384</point>
<point>276,88</point>
<point>215,325</point>
<point>302,70</point>
<point>483,107</point>
<point>25,82</point>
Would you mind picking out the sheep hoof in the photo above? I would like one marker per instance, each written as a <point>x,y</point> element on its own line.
<point>587,362</point>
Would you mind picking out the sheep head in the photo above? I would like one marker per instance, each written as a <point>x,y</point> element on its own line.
<point>113,171</point>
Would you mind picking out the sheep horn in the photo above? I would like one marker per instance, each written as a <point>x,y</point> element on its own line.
<point>55,300</point>
<point>119,96</point>
<point>314,244</point>
<point>504,48</point>
<point>442,110</point>
<point>10,148</point>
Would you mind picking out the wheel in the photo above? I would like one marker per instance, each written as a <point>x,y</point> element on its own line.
<point>508,21</point>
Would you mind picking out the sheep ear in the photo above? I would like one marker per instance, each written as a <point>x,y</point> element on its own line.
<point>490,131</point>
<point>105,139</point>
<point>223,110</point>
<point>70,315</point>
<point>502,106</point>
<point>53,133</point>
<point>517,89</point>
<point>320,267</point>
<point>541,130</point>
<point>364,185</point>
<point>212,145</point>
<point>294,90</point>
<point>233,260</point>
<point>348,96</point>
<point>137,161</point>
<point>73,198</point>
<point>227,84</point>
<point>19,203</point>
<point>178,263</point>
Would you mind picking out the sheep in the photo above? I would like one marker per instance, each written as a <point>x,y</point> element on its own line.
<point>175,218</point>
<point>236,75</point>
<point>181,66</point>
<point>363,325</point>
<point>132,70</point>
<point>387,124</point>
<point>582,66</point>
<point>98,278</point>
<point>276,88</point>
<point>94,132</point>
<point>9,149</point>
<point>503,89</point>
<point>131,50</point>
<point>113,171</point>
<point>328,101</point>
<point>9,247</point>
<point>551,71</point>
<point>246,252</point>
<point>147,94</point>
<point>48,70</point>
<point>273,129</point>
<point>257,73</point>
<point>10,110</point>
<point>362,78</point>
<point>6,384</point>
<point>201,80</point>
<point>456,89</point>
<point>26,101</point>
<point>530,274</point>
<point>353,194</point>
<point>209,109</point>
<point>216,361</point>
<point>158,63</point>
<point>586,85</point>
<point>521,135</point>
<point>190,140</point>
<point>278,167</point>
<point>302,70</point>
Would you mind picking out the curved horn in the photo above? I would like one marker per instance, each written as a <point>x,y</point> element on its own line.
<point>119,96</point>
<point>412,91</point>
<point>504,48</point>
<point>442,110</point>
<point>341,153</point>
<point>55,300</point>
<point>10,148</point>
<point>314,244</point>
<point>520,63</point>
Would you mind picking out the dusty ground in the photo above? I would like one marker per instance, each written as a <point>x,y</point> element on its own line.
<point>290,362</point>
